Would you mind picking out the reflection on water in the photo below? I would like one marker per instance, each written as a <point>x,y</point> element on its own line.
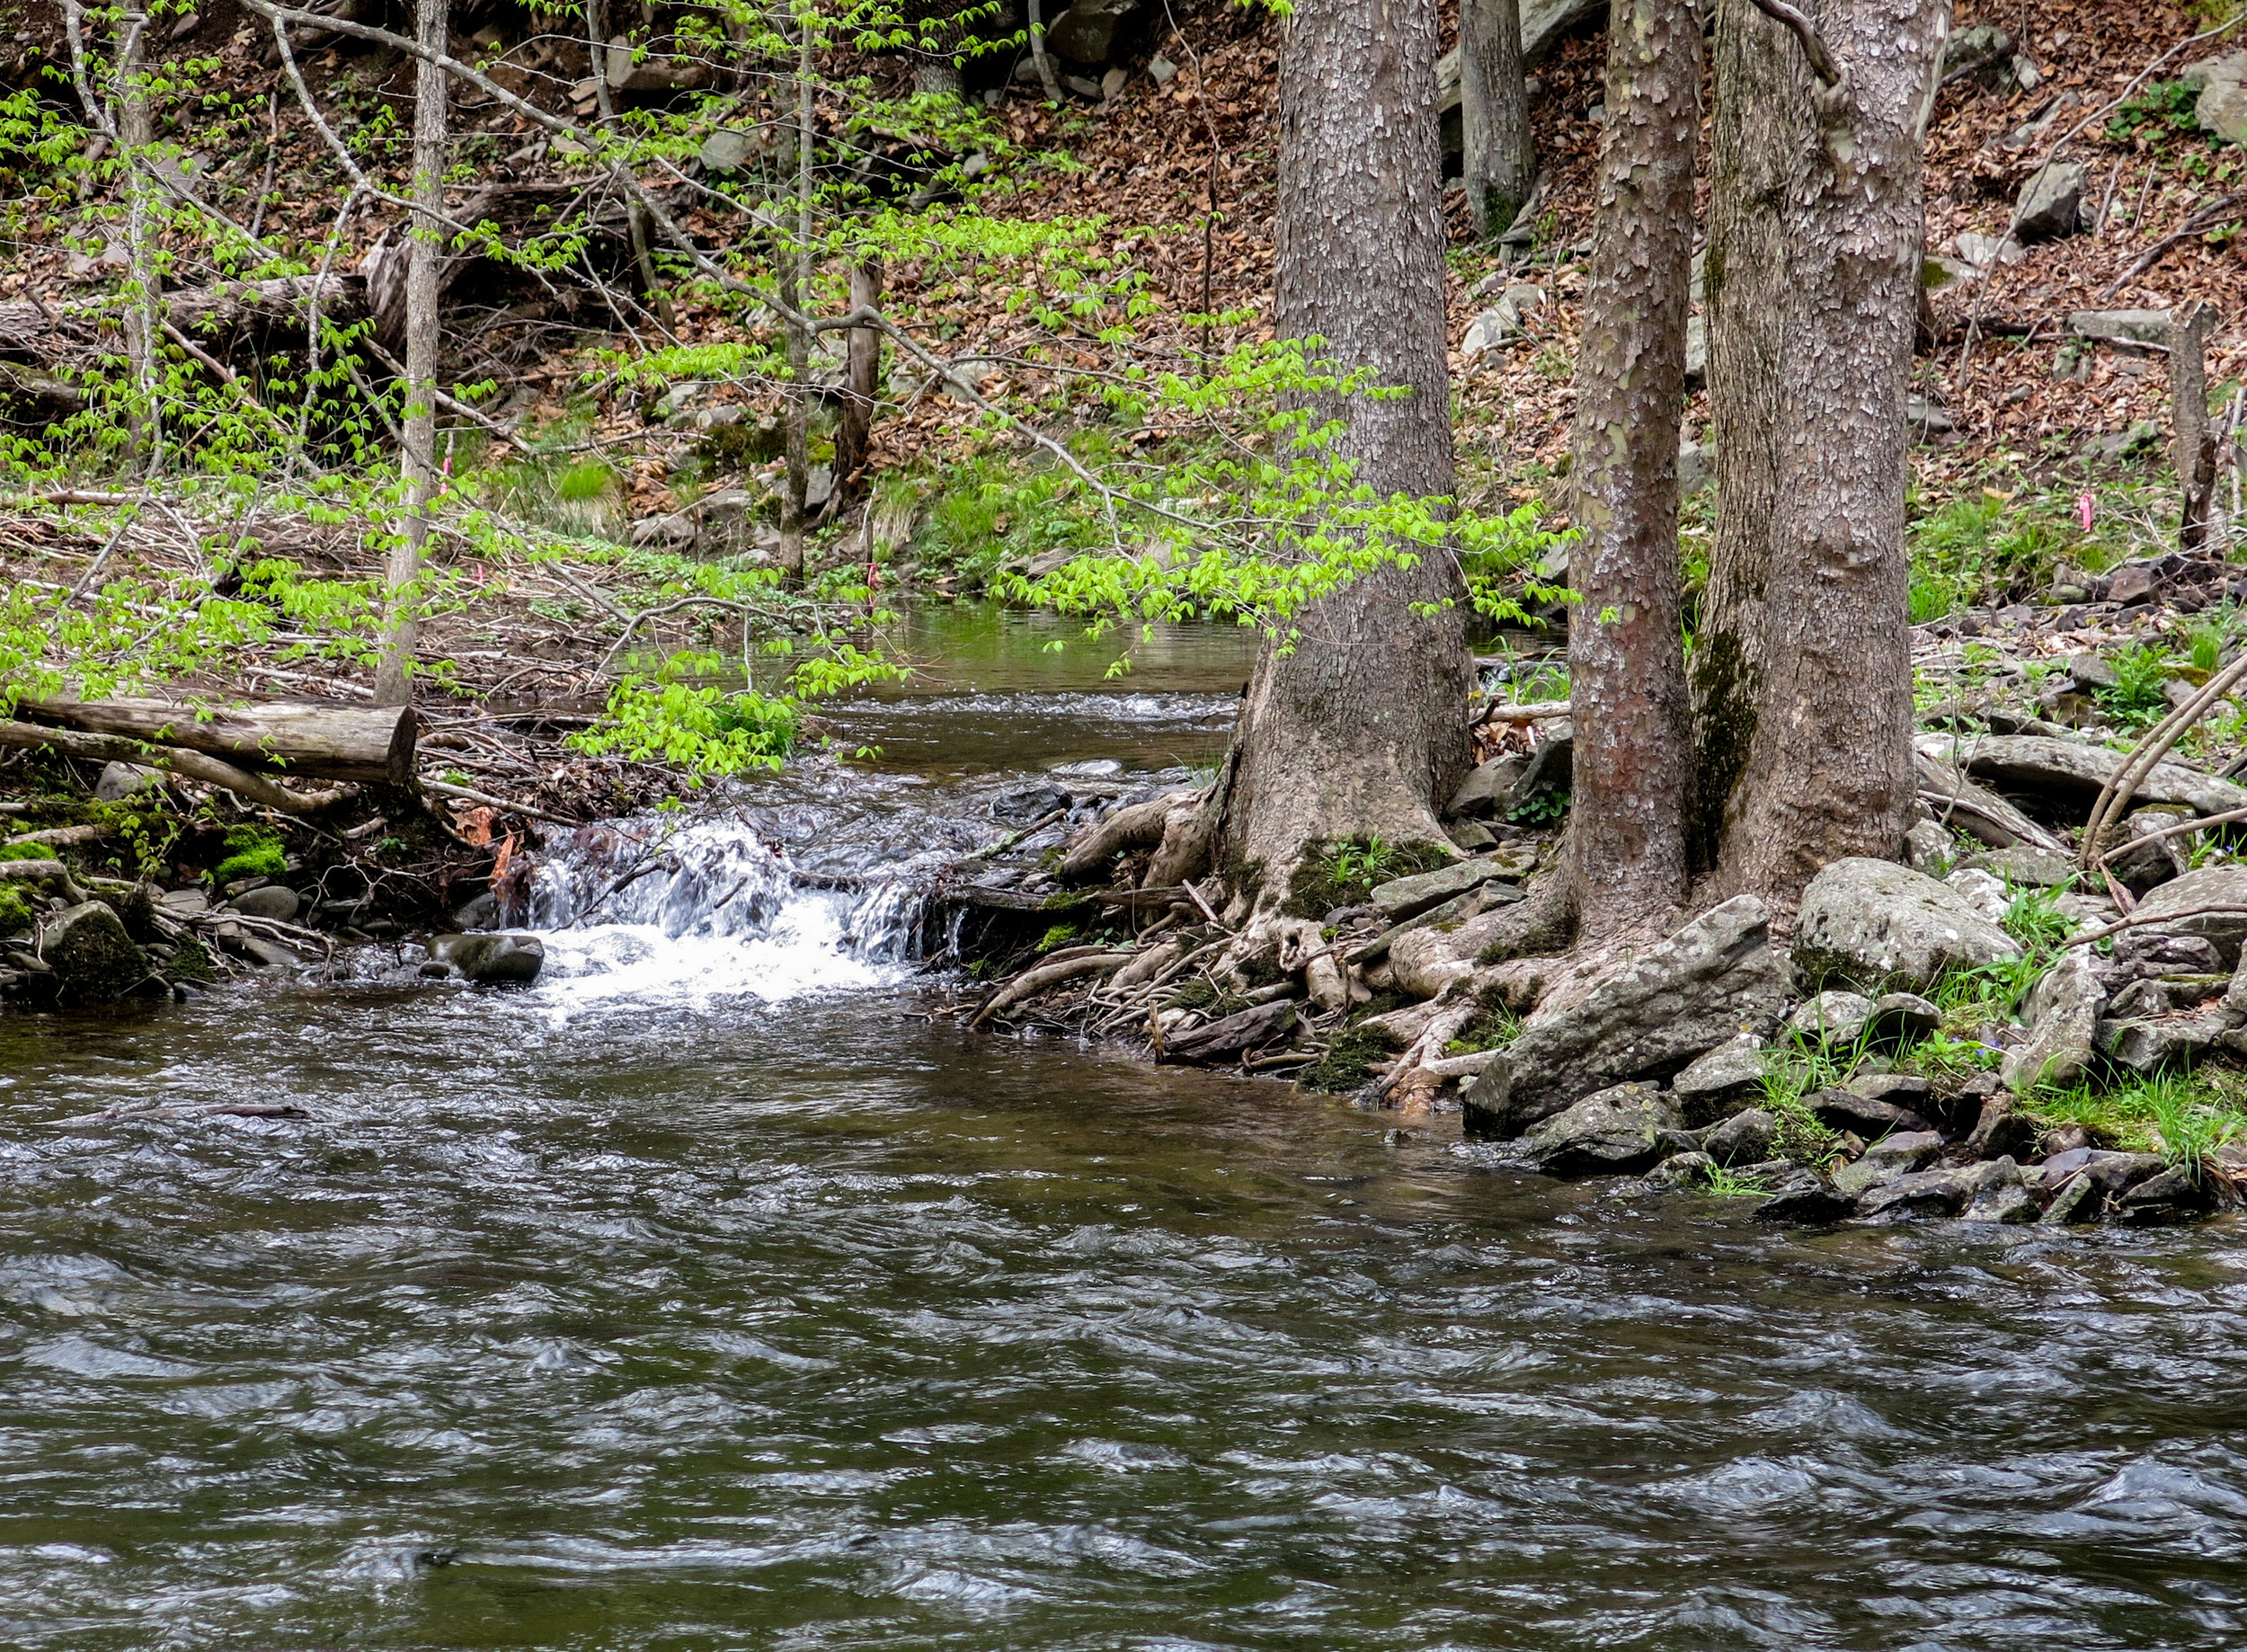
<point>706,1296</point>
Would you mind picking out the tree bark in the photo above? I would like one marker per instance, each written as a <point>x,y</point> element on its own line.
<point>1048,76</point>
<point>1500,162</point>
<point>862,386</point>
<point>370,745</point>
<point>1361,730</point>
<point>144,422</point>
<point>1762,136</point>
<point>796,282</point>
<point>1626,659</point>
<point>393,684</point>
<point>2192,445</point>
<point>1829,768</point>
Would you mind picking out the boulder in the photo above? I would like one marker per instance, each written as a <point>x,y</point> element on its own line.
<point>1719,1083</point>
<point>1712,979</point>
<point>2051,203</point>
<point>1929,850</point>
<point>2148,1047</point>
<point>2222,108</point>
<point>1504,322</point>
<point>492,960</point>
<point>2140,864</point>
<point>1610,1133</point>
<point>1408,897</point>
<point>2125,328</point>
<point>1799,1194</point>
<point>2071,772</point>
<point>1746,1138</point>
<point>2062,1014</point>
<point>1479,793</point>
<point>1683,1171</point>
<point>2078,1200</point>
<point>277,901</point>
<point>1832,1017</point>
<point>2107,1171</point>
<point>1872,923</point>
<point>2151,952</point>
<point>1944,1192</point>
<point>2172,1195</point>
<point>1985,892</point>
<point>91,954</point>
<point>1862,1115</point>
<point>2008,1203</point>
<point>2000,1131</point>
<point>2177,908</point>
<point>121,781</point>
<point>1086,31</point>
<point>2024,867</point>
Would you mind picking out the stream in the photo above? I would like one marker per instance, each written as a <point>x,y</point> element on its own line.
<point>704,1295</point>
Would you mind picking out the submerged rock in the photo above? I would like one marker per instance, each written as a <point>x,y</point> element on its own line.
<point>1872,923</point>
<point>492,960</point>
<point>1802,1195</point>
<point>1713,979</point>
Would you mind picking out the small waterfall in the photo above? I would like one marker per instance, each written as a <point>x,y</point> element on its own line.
<point>708,908</point>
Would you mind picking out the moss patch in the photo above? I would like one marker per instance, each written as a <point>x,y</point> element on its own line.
<point>16,912</point>
<point>249,851</point>
<point>1353,1058</point>
<point>1343,873</point>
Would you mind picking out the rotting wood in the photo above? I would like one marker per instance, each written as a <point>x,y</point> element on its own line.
<point>370,745</point>
<point>191,765</point>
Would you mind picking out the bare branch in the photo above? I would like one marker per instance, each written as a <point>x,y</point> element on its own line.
<point>1821,60</point>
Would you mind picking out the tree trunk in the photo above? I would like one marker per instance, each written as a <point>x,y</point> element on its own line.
<point>1829,763</point>
<point>1626,660</point>
<point>1761,138</point>
<point>1500,164</point>
<point>1362,730</point>
<point>863,388</point>
<point>636,221</point>
<point>371,745</point>
<point>145,423</point>
<point>424,278</point>
<point>796,283</point>
<point>1048,75</point>
<point>2192,444</point>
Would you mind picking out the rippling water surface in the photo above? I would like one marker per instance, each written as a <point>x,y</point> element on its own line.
<point>632,1312</point>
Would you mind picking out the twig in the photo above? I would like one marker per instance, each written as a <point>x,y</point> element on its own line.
<point>446,789</point>
<point>1822,63</point>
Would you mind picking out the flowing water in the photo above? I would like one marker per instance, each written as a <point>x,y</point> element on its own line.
<point>704,1295</point>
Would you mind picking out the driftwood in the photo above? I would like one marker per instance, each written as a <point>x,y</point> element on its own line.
<point>32,330</point>
<point>372,745</point>
<point>193,764</point>
<point>1135,826</point>
<point>1031,982</point>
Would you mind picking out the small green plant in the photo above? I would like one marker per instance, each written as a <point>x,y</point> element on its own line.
<point>2160,111</point>
<point>2183,1116</point>
<point>1540,809</point>
<point>2192,1125</point>
<point>1059,936</point>
<point>1728,1183</point>
<point>2209,636</point>
<point>16,912</point>
<point>2137,696</point>
<point>248,852</point>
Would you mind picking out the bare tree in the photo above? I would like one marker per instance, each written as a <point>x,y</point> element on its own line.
<point>1500,162</point>
<point>424,270</point>
<point>1048,76</point>
<point>796,283</point>
<point>1625,657</point>
<point>1828,763</point>
<point>863,376</point>
<point>1359,731</point>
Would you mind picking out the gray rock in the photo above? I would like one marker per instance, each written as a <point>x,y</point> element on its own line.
<point>1696,469</point>
<point>2152,951</point>
<point>481,914</point>
<point>1086,31</point>
<point>727,150</point>
<point>1907,1090</point>
<point>2078,1200</point>
<point>1929,848</point>
<point>1683,1171</point>
<point>2108,1172</point>
<point>1864,1116</point>
<point>1615,1131</point>
<point>1944,1192</point>
<point>2148,1047</point>
<point>2120,327</point>
<point>2169,1195</point>
<point>491,959</point>
<point>1469,835</point>
<point>2222,108</point>
<point>1902,1018</point>
<point>2000,1131</point>
<point>184,903</point>
<point>1408,897</point>
<point>2051,203</point>
<point>2062,1013</point>
<point>1479,792</point>
<point>91,954</point>
<point>2141,865</point>
<point>1717,1083</point>
<point>121,781</point>
<point>1802,1195</point>
<point>1832,1018</point>
<point>1551,769</point>
<point>1746,1138</point>
<point>1985,892</point>
<point>2008,1203</point>
<point>277,901</point>
<point>1504,322</point>
<point>2072,772</point>
<point>1712,979</point>
<point>2175,908</point>
<point>1983,46</point>
<point>1872,923</point>
<point>2024,867</point>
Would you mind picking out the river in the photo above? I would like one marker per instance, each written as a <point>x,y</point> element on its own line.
<point>706,1296</point>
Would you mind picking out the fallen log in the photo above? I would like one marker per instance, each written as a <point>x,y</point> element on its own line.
<point>372,745</point>
<point>193,764</point>
<point>49,332</point>
<point>1033,981</point>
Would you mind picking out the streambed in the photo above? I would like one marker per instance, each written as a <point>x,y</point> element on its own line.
<point>704,1295</point>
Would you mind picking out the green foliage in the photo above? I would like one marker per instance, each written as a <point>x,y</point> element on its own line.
<point>16,912</point>
<point>1060,935</point>
<point>1983,549</point>
<point>2161,110</point>
<point>1541,808</point>
<point>2184,1117</point>
<point>1730,1184</point>
<point>1791,1074</point>
<point>249,851</point>
<point>2141,672</point>
<point>1343,873</point>
<point>26,852</point>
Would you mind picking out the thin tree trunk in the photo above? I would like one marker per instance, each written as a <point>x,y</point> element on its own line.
<point>1626,660</point>
<point>1500,164</point>
<point>1829,770</point>
<point>1048,75</point>
<point>424,272</point>
<point>796,283</point>
<point>863,388</point>
<point>1762,139</point>
<point>636,222</point>
<point>1361,731</point>
<point>142,328</point>
<point>2192,444</point>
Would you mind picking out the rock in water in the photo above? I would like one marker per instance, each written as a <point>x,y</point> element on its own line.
<point>1616,1131</point>
<point>1747,1138</point>
<point>90,952</point>
<point>492,960</point>
<point>1711,981</point>
<point>2062,1011</point>
<point>1872,923</point>
<point>277,901</point>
